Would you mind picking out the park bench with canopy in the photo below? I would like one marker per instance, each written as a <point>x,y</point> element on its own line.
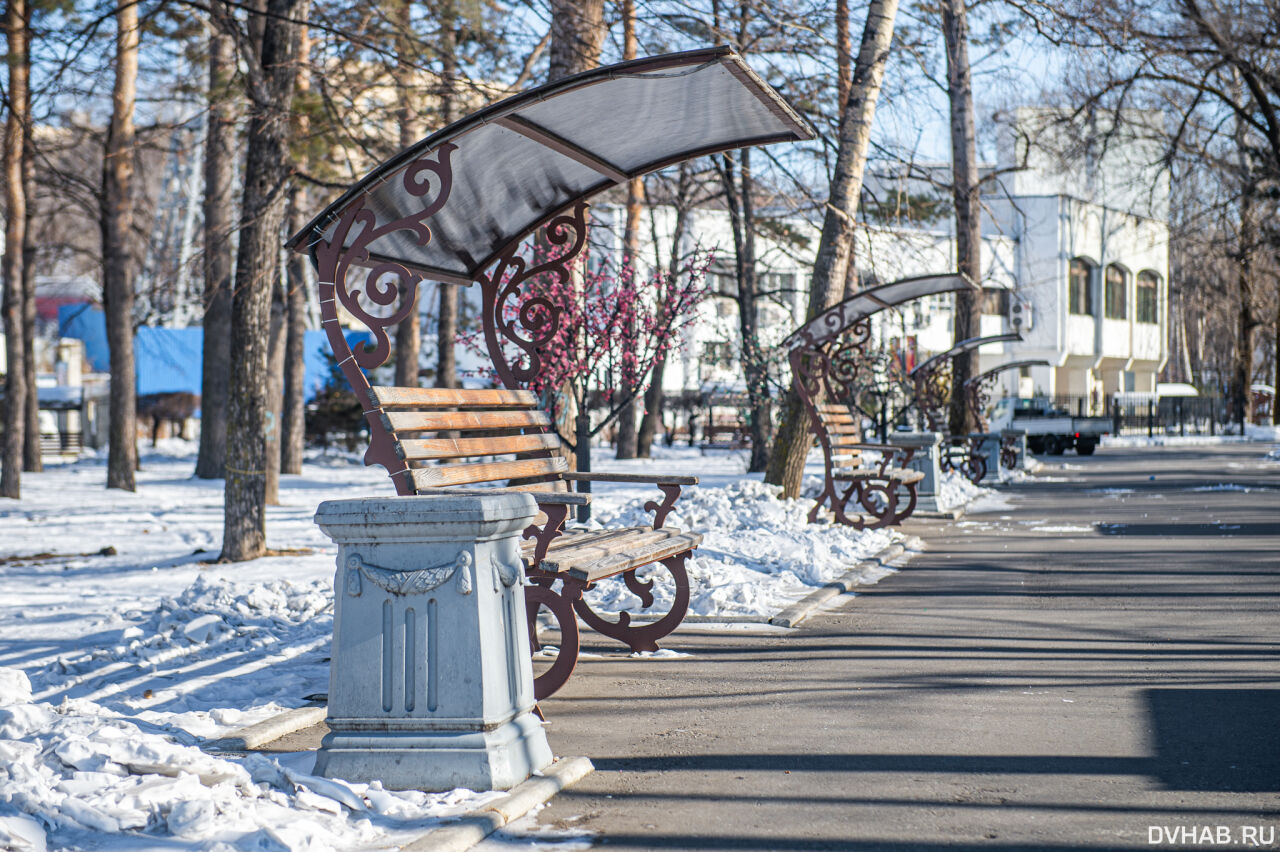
<point>460,207</point>
<point>978,397</point>
<point>932,381</point>
<point>828,356</point>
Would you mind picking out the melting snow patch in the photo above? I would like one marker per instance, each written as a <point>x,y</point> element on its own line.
<point>1223,486</point>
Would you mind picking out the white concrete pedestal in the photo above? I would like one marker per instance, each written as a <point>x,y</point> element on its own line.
<point>431,683</point>
<point>926,445</point>
<point>990,449</point>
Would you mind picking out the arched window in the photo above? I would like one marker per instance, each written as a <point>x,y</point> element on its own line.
<point>1116,290</point>
<point>1147,301</point>
<point>1079,289</point>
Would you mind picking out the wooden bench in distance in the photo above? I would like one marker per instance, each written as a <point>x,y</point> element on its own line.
<point>476,439</point>
<point>879,486</point>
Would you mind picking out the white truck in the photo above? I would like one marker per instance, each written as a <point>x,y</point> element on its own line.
<point>1049,430</point>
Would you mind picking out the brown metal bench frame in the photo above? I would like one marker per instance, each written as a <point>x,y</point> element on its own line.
<point>932,380</point>
<point>828,355</point>
<point>502,286</point>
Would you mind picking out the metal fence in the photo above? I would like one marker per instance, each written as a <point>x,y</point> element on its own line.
<point>1170,415</point>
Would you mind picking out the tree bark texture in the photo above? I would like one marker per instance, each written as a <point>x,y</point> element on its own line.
<point>653,398</point>
<point>16,17</point>
<point>1241,399</point>
<point>831,265</point>
<point>274,428</point>
<point>409,330</point>
<point>272,76</point>
<point>293,424</point>
<point>117,260</point>
<point>964,187</point>
<point>31,460</point>
<point>739,187</point>
<point>448,295</point>
<point>293,419</point>
<point>577,36</point>
<point>219,169</point>
<point>628,439</point>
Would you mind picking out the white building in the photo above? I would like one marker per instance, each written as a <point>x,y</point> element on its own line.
<point>1074,258</point>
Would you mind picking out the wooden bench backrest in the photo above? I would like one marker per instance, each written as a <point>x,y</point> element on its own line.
<point>843,427</point>
<point>489,424</point>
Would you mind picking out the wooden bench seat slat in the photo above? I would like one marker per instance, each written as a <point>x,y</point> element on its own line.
<point>453,398</point>
<point>462,421</point>
<point>639,554</point>
<point>454,448</point>
<point>542,492</point>
<point>897,474</point>
<point>465,474</point>
<point>845,429</point>
<point>832,419</point>
<point>590,548</point>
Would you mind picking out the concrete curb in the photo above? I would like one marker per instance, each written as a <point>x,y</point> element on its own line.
<point>479,824</point>
<point>255,736</point>
<point>800,610</point>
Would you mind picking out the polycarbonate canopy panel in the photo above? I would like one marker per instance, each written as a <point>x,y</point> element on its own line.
<point>965,346</point>
<point>832,322</point>
<point>1012,365</point>
<point>526,158</point>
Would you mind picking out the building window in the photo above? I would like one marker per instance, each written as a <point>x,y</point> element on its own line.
<point>1080,290</point>
<point>1117,285</point>
<point>1148,297</point>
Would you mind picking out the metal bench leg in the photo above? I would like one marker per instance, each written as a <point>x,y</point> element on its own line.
<point>644,637</point>
<point>539,594</point>
<point>841,502</point>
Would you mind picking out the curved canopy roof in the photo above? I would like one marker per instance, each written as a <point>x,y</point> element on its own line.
<point>832,322</point>
<point>965,346</point>
<point>525,158</point>
<point>1032,362</point>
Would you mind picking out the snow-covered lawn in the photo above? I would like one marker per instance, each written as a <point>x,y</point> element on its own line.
<point>122,646</point>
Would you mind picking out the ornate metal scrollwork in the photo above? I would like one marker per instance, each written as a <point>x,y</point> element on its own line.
<point>522,316</point>
<point>979,397</point>
<point>384,282</point>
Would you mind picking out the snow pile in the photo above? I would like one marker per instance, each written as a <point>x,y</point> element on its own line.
<point>1273,454</point>
<point>216,644</point>
<point>759,553</point>
<point>954,490</point>
<point>72,773</point>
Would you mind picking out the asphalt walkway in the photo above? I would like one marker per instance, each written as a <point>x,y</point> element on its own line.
<point>1094,665</point>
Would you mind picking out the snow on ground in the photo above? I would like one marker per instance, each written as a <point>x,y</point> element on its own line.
<point>122,645</point>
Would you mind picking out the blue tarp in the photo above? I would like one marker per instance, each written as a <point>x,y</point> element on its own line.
<point>168,359</point>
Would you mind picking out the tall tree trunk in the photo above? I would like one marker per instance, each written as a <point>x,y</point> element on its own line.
<point>653,398</point>
<point>1241,400</point>
<point>16,17</point>
<point>219,169</point>
<point>293,425</point>
<point>964,180</point>
<point>409,330</point>
<point>1275,329</point>
<point>273,73</point>
<point>447,304</point>
<point>273,428</point>
<point>117,262</point>
<point>830,269</point>
<point>627,437</point>
<point>739,188</point>
<point>577,36</point>
<point>31,460</point>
